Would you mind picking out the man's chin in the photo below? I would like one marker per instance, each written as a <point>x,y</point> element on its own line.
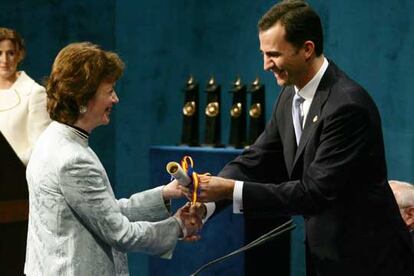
<point>281,82</point>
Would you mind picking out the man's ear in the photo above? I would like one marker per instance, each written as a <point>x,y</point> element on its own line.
<point>309,49</point>
<point>409,220</point>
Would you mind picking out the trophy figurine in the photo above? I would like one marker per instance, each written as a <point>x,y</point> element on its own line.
<point>257,110</point>
<point>238,115</point>
<point>213,121</point>
<point>189,134</point>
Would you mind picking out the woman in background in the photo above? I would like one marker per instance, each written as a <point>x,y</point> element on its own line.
<point>76,226</point>
<point>23,114</point>
<point>23,117</point>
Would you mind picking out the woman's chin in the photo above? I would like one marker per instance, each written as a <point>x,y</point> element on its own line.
<point>106,120</point>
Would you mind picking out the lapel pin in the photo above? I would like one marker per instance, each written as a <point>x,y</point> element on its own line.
<point>315,119</point>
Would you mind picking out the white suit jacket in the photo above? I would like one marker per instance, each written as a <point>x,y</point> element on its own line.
<point>23,115</point>
<point>76,226</point>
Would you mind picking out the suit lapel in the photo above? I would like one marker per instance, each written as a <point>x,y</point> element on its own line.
<point>288,133</point>
<point>315,111</point>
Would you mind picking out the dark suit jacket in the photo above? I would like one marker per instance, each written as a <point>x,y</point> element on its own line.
<point>412,235</point>
<point>336,178</point>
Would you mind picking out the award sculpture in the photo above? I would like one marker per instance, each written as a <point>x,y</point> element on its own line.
<point>189,134</point>
<point>257,110</point>
<point>213,121</point>
<point>238,115</point>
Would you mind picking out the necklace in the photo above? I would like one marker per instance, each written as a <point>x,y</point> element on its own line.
<point>18,102</point>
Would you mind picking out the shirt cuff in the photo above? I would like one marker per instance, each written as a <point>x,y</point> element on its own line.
<point>210,208</point>
<point>238,197</point>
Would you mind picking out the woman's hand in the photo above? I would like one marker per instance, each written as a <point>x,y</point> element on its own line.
<point>190,220</point>
<point>172,190</point>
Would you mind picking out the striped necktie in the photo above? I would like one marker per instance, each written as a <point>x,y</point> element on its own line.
<point>297,115</point>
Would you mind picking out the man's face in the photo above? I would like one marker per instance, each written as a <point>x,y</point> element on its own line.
<point>408,216</point>
<point>407,213</point>
<point>286,62</point>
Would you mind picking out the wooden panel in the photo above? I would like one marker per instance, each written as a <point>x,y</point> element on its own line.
<point>14,210</point>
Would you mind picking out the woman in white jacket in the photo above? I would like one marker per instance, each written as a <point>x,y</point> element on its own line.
<point>23,114</point>
<point>76,226</point>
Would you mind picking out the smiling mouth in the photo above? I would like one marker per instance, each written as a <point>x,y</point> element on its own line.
<point>277,74</point>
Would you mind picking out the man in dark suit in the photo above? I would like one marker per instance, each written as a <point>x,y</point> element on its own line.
<point>321,156</point>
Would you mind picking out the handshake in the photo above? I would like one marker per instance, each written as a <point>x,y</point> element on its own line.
<point>190,216</point>
<point>206,188</point>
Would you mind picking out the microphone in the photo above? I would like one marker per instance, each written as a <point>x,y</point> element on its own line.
<point>287,226</point>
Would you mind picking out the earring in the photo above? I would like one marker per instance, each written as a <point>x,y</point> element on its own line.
<point>82,109</point>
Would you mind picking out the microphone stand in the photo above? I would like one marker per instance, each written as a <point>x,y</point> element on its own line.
<point>287,226</point>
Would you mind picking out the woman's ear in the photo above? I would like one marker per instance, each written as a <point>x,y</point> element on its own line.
<point>21,53</point>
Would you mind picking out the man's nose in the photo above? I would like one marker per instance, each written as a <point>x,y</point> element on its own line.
<point>267,63</point>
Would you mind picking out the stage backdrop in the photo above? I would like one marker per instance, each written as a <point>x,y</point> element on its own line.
<point>162,42</point>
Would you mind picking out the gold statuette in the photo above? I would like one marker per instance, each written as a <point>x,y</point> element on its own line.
<point>189,108</point>
<point>212,109</point>
<point>236,110</point>
<point>255,110</point>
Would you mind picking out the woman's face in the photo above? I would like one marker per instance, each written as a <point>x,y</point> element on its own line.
<point>9,58</point>
<point>100,106</point>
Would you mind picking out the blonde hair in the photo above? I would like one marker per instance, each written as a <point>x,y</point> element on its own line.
<point>16,39</point>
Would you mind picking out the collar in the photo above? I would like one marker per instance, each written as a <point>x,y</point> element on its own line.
<point>309,90</point>
<point>75,133</point>
<point>79,131</point>
<point>22,82</point>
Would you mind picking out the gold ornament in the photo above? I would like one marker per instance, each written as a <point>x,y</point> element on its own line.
<point>255,110</point>
<point>189,109</point>
<point>212,109</point>
<point>236,110</point>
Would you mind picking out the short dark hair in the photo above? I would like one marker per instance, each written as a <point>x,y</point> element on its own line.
<point>77,71</point>
<point>301,23</point>
<point>16,39</point>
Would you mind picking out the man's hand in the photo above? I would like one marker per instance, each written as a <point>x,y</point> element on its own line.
<point>172,190</point>
<point>212,188</point>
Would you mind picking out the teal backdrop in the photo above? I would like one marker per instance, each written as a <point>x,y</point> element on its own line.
<point>163,42</point>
